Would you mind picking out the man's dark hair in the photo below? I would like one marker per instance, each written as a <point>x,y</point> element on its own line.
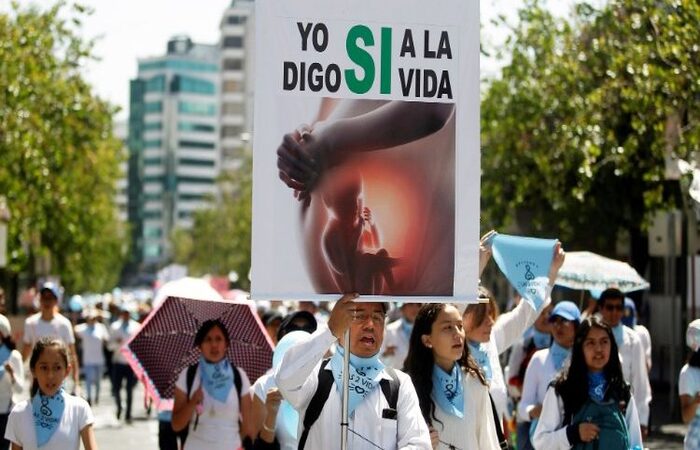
<point>611,293</point>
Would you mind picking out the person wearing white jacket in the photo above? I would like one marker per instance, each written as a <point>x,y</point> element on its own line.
<point>11,377</point>
<point>452,391</point>
<point>372,421</point>
<point>545,364</point>
<point>590,400</point>
<point>611,305</point>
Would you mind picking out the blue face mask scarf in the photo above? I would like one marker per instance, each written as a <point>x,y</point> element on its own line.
<point>559,355</point>
<point>540,339</point>
<point>406,327</point>
<point>597,385</point>
<point>217,378</point>
<point>47,412</point>
<point>365,374</point>
<point>4,356</point>
<point>478,351</point>
<point>619,334</point>
<point>447,390</point>
<point>525,262</point>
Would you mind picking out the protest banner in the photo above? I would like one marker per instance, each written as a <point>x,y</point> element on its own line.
<point>366,150</point>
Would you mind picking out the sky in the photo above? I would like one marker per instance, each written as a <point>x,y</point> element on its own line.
<point>130,29</point>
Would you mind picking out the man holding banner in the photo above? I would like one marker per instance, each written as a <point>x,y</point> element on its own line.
<point>383,405</point>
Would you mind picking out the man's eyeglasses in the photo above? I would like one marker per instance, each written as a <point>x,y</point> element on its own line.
<point>609,307</point>
<point>362,316</point>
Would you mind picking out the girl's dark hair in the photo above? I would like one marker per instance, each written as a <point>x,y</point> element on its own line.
<point>419,361</point>
<point>206,328</point>
<point>39,348</point>
<point>694,360</point>
<point>572,384</point>
<point>480,310</point>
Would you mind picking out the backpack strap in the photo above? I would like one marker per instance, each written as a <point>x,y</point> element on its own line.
<point>313,411</point>
<point>390,388</point>
<point>502,442</point>
<point>237,382</point>
<point>191,371</point>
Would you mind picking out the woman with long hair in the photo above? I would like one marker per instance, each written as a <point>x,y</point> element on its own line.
<point>590,401</point>
<point>689,387</point>
<point>452,392</point>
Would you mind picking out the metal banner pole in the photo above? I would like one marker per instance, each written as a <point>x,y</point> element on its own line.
<point>346,392</point>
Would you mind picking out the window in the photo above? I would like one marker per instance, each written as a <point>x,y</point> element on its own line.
<point>198,109</point>
<point>149,126</point>
<point>151,250</point>
<point>195,127</point>
<point>179,65</point>
<point>153,232</point>
<point>153,161</point>
<point>152,197</point>
<point>184,214</point>
<point>236,20</point>
<point>233,64</point>
<point>233,42</point>
<point>195,180</point>
<point>155,143</point>
<point>230,108</point>
<point>186,197</point>
<point>152,214</point>
<point>196,144</point>
<point>233,86</point>
<point>196,162</point>
<point>156,84</point>
<point>194,85</point>
<point>229,131</point>
<point>154,107</point>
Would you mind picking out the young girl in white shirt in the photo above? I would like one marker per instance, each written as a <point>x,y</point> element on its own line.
<point>452,392</point>
<point>51,419</point>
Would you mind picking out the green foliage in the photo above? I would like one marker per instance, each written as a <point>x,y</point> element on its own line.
<point>59,159</point>
<point>576,130</point>
<point>219,240</point>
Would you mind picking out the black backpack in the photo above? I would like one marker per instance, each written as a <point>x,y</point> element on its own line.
<point>390,389</point>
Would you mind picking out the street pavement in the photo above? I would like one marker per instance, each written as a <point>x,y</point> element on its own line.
<point>142,432</point>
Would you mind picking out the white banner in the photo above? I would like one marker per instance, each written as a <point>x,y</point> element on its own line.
<point>366,150</point>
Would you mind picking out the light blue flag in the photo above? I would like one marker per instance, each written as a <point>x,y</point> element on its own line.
<point>525,262</point>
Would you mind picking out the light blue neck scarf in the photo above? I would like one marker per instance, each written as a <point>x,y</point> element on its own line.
<point>481,355</point>
<point>4,356</point>
<point>365,374</point>
<point>217,378</point>
<point>447,390</point>
<point>540,339</point>
<point>597,385</point>
<point>619,333</point>
<point>47,412</point>
<point>559,355</point>
<point>406,327</point>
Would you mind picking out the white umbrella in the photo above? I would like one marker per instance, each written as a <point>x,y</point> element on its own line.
<point>586,270</point>
<point>187,287</point>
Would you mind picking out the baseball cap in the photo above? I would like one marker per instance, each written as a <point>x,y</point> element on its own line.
<point>51,287</point>
<point>566,310</point>
<point>291,323</point>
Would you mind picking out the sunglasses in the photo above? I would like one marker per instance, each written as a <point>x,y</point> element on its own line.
<point>609,307</point>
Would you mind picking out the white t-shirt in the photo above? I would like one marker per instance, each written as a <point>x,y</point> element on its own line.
<point>689,382</point>
<point>76,416</point>
<point>286,440</point>
<point>35,328</point>
<point>395,336</point>
<point>217,428</point>
<point>92,339</point>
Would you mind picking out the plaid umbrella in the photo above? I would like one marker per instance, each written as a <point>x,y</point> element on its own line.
<point>165,344</point>
<point>586,270</point>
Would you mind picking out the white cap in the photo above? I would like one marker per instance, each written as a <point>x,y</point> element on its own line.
<point>692,335</point>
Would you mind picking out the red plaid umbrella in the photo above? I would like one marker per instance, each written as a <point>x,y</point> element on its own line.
<point>165,344</point>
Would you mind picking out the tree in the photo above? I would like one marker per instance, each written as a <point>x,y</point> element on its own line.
<point>219,240</point>
<point>59,159</point>
<point>577,130</point>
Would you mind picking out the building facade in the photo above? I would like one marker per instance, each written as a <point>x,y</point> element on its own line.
<point>237,65</point>
<point>173,141</point>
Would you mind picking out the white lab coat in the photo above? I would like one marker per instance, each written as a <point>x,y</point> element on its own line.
<point>635,372</point>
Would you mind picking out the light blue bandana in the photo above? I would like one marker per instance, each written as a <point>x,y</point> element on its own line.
<point>619,333</point>
<point>447,390</point>
<point>406,327</point>
<point>217,378</point>
<point>597,385</point>
<point>540,339</point>
<point>4,356</point>
<point>559,355</point>
<point>47,412</point>
<point>481,355</point>
<point>365,374</point>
